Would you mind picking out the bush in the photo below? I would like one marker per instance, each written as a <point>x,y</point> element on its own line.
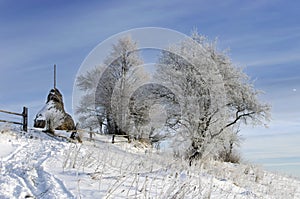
<point>227,156</point>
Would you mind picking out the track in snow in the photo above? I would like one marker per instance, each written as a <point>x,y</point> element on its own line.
<point>24,176</point>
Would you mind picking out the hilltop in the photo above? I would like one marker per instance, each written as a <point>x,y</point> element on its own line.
<point>35,165</point>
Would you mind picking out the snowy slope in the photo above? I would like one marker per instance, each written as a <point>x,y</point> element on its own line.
<point>34,165</point>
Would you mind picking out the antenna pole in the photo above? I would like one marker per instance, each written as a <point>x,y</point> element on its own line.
<point>54,76</point>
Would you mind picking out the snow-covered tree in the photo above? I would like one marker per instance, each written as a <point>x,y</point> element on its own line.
<point>109,86</point>
<point>215,96</point>
<point>152,109</point>
<point>88,115</point>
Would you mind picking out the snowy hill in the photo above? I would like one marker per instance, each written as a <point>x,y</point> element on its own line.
<point>34,165</point>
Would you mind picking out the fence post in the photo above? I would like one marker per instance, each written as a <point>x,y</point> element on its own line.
<point>25,118</point>
<point>113,139</point>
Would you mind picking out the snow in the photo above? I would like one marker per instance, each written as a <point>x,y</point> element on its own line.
<point>7,146</point>
<point>41,113</point>
<point>39,166</point>
<point>50,112</point>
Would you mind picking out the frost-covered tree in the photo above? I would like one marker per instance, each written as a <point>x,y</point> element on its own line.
<point>109,86</point>
<point>88,115</point>
<point>215,96</point>
<point>153,107</point>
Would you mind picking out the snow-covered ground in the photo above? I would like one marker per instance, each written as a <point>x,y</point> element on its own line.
<point>35,165</point>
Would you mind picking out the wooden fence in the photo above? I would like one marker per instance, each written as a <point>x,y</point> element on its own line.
<point>24,115</point>
<point>114,135</point>
<point>91,134</point>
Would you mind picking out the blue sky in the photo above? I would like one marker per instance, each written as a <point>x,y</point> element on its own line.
<point>263,36</point>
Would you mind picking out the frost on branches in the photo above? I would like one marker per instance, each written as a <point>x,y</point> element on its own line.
<point>108,88</point>
<point>215,96</point>
<point>205,98</point>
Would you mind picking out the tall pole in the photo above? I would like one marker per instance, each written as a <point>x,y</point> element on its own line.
<point>54,76</point>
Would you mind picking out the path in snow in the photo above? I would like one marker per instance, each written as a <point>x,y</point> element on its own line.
<point>23,174</point>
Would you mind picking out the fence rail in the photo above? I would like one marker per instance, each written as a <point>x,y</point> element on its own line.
<point>92,133</point>
<point>24,115</point>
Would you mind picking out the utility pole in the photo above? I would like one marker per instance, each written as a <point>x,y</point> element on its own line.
<point>54,76</point>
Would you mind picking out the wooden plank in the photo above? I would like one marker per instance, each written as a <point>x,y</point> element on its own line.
<point>11,122</point>
<point>119,135</point>
<point>13,113</point>
<point>24,114</point>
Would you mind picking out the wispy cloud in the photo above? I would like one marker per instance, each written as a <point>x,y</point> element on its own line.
<point>276,58</point>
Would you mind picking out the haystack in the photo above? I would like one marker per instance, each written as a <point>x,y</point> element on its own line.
<point>55,113</point>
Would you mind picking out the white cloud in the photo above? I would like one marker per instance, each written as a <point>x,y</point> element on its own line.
<point>276,58</point>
